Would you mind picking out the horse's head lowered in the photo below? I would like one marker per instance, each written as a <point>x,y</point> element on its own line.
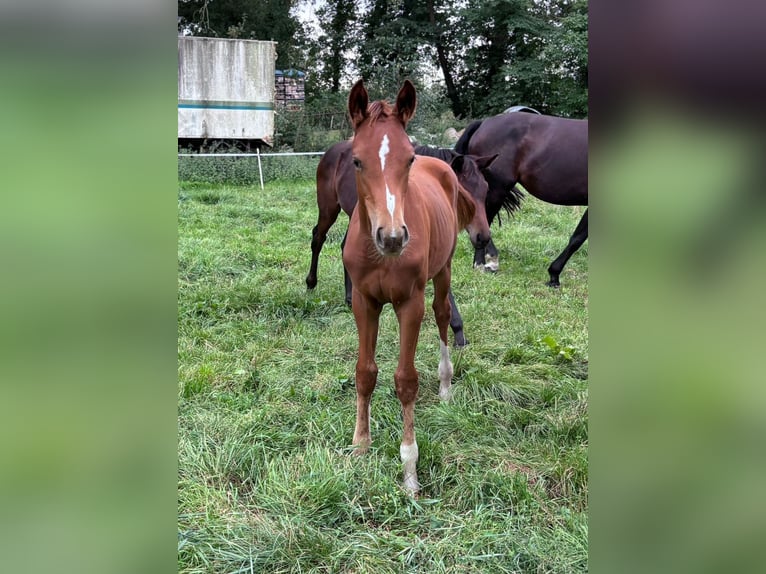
<point>382,155</point>
<point>470,173</point>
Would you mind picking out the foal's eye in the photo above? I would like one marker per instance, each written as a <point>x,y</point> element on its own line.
<point>357,163</point>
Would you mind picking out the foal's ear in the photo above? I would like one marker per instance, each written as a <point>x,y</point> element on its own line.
<point>485,161</point>
<point>457,163</point>
<point>406,102</point>
<point>357,103</point>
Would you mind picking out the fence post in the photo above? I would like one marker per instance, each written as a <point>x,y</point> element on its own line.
<point>260,170</point>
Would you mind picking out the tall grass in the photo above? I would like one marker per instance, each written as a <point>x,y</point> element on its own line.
<point>266,403</point>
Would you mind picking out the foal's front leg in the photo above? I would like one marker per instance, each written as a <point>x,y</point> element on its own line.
<point>367,315</point>
<point>410,315</point>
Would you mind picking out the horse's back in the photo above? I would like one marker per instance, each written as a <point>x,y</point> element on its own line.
<point>548,155</point>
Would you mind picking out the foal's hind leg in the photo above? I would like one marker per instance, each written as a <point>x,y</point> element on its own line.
<point>327,216</point>
<point>346,276</point>
<point>442,311</point>
<point>456,323</point>
<point>575,242</point>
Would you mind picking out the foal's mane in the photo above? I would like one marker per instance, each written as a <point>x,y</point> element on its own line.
<point>379,109</point>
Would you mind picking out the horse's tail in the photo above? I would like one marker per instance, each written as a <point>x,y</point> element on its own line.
<point>466,210</point>
<point>461,146</point>
<point>511,202</point>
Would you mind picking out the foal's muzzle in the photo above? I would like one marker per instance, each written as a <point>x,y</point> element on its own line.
<point>392,243</point>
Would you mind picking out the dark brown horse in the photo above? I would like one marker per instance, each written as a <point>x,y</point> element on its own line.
<point>336,190</point>
<point>402,234</point>
<point>546,154</point>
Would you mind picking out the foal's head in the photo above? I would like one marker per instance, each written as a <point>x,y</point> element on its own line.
<point>382,155</point>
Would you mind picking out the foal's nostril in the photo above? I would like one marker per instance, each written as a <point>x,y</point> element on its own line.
<point>406,234</point>
<point>379,236</point>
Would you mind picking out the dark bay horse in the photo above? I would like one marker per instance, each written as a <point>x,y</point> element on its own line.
<point>548,155</point>
<point>402,233</point>
<point>336,190</point>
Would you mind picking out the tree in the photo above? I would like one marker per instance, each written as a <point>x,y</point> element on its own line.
<point>250,19</point>
<point>337,19</point>
<point>566,57</point>
<point>439,14</point>
<point>392,41</point>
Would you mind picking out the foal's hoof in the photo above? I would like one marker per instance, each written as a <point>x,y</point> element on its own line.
<point>310,283</point>
<point>461,341</point>
<point>411,486</point>
<point>554,283</point>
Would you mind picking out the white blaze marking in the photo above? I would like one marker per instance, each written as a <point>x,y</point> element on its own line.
<point>383,152</point>
<point>390,199</point>
<point>390,204</point>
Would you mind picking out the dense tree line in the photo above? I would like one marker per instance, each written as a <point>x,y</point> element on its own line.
<point>473,58</point>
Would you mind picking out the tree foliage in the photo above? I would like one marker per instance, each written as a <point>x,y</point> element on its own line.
<point>471,58</point>
<point>249,19</point>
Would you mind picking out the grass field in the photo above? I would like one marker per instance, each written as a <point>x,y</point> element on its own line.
<point>266,403</point>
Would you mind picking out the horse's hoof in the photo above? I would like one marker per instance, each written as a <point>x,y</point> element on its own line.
<point>411,485</point>
<point>492,264</point>
<point>479,266</point>
<point>461,342</point>
<point>554,284</point>
<point>310,283</point>
<point>360,449</point>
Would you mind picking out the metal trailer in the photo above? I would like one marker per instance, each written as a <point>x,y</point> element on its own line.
<point>225,93</point>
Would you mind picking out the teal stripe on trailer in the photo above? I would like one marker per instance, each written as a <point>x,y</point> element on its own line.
<point>223,105</point>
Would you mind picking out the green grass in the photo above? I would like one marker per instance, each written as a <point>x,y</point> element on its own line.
<point>266,403</point>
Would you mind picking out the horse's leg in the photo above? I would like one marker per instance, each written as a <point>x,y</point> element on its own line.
<point>493,258</point>
<point>410,315</point>
<point>488,259</point>
<point>442,310</point>
<point>479,257</point>
<point>456,322</point>
<point>327,216</point>
<point>346,276</point>
<point>366,314</point>
<point>578,238</point>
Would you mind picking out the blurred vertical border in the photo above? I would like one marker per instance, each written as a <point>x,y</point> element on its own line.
<point>87,296</point>
<point>677,413</point>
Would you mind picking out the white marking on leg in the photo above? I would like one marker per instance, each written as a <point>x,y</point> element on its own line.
<point>409,454</point>
<point>445,372</point>
<point>492,264</point>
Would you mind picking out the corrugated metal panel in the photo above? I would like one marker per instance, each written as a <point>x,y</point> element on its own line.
<point>225,88</point>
